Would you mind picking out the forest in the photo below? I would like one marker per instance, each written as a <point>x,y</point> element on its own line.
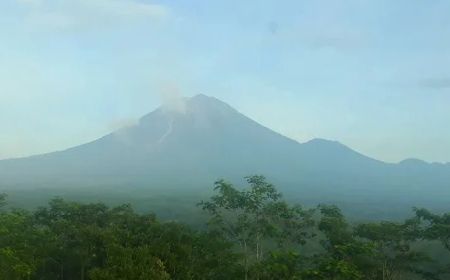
<point>250,233</point>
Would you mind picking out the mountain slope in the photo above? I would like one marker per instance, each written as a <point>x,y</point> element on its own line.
<point>191,145</point>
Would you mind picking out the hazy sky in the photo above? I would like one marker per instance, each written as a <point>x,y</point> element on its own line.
<point>374,75</point>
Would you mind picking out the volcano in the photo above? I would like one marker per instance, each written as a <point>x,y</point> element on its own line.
<point>190,145</point>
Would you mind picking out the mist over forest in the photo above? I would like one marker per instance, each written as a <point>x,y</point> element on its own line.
<point>140,203</point>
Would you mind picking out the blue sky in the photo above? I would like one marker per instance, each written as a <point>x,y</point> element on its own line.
<point>373,75</point>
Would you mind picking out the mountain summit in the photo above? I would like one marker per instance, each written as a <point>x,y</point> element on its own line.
<point>194,141</point>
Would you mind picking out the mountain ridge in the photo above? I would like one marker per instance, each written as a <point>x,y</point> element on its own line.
<point>163,108</point>
<point>194,142</point>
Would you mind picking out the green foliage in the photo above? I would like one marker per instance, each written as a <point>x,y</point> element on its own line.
<point>436,227</point>
<point>393,255</point>
<point>68,240</point>
<point>20,245</point>
<point>256,219</point>
<point>131,263</point>
<point>252,234</point>
<point>2,200</point>
<point>282,265</point>
<point>345,257</point>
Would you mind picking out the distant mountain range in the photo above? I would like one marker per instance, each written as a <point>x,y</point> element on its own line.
<point>202,139</point>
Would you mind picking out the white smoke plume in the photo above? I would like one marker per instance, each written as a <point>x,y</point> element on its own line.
<point>172,99</point>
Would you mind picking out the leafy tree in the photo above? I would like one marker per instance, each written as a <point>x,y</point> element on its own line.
<point>282,265</point>
<point>252,234</point>
<point>78,241</point>
<point>393,254</point>
<point>345,257</point>
<point>20,245</point>
<point>256,218</point>
<point>131,263</point>
<point>214,258</point>
<point>436,227</point>
<point>2,200</point>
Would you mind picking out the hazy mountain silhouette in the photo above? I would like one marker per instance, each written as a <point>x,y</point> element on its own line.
<point>192,144</point>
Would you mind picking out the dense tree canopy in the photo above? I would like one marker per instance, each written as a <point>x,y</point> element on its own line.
<point>252,233</point>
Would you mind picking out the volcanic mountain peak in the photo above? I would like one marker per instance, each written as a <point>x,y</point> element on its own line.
<point>202,138</point>
<point>197,107</point>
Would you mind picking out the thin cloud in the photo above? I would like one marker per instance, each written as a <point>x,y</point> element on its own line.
<point>30,2</point>
<point>435,83</point>
<point>122,123</point>
<point>336,36</point>
<point>75,14</point>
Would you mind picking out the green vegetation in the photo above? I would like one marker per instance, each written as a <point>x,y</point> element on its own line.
<point>251,233</point>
